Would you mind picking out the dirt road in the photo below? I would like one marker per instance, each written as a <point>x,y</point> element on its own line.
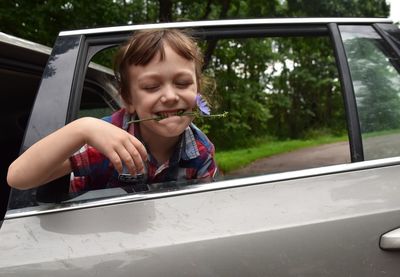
<point>328,154</point>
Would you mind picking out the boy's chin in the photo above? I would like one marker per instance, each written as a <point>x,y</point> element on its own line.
<point>170,127</point>
<point>169,132</point>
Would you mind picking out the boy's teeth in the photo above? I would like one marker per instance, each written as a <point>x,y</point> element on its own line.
<point>165,114</point>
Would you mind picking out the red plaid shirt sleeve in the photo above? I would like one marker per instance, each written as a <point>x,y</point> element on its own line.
<point>91,169</point>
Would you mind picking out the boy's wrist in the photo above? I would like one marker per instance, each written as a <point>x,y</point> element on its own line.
<point>81,128</point>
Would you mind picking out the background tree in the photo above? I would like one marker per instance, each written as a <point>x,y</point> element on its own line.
<point>377,86</point>
<point>306,94</point>
<point>284,87</point>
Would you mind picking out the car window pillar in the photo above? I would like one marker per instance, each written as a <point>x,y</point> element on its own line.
<point>353,124</point>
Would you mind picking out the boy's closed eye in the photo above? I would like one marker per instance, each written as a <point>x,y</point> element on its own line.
<point>151,87</point>
<point>183,83</point>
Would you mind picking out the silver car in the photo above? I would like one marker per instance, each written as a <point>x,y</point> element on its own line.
<point>335,219</point>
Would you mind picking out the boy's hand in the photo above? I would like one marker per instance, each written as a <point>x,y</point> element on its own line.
<point>120,147</point>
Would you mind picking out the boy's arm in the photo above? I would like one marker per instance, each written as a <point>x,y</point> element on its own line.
<point>48,159</point>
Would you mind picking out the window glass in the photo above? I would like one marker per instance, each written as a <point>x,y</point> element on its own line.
<point>282,95</point>
<point>99,96</point>
<point>376,85</point>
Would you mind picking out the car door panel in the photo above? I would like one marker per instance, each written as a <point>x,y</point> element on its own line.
<point>322,225</point>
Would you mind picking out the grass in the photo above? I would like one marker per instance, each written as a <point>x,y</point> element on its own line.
<point>235,159</point>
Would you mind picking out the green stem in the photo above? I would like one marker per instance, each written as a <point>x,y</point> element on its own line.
<point>158,118</point>
<point>195,114</point>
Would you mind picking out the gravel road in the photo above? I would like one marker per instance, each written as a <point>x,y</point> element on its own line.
<point>328,154</point>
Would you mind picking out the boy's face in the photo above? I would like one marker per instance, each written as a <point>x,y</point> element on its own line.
<point>163,88</point>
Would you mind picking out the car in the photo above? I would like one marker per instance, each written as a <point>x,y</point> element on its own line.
<point>337,219</point>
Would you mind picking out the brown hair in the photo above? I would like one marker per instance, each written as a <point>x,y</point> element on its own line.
<point>145,44</point>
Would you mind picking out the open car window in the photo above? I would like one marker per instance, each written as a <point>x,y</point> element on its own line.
<point>275,90</point>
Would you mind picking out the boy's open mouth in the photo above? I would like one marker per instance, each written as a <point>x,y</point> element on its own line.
<point>165,114</point>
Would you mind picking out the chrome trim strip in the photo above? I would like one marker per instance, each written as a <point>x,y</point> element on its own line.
<point>231,22</point>
<point>239,182</point>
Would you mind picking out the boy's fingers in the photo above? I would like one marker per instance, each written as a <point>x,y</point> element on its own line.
<point>139,147</point>
<point>127,160</point>
<point>116,161</point>
<point>137,158</point>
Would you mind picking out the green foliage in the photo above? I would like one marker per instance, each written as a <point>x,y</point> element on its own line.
<point>338,8</point>
<point>285,87</point>
<point>42,20</point>
<point>377,82</point>
<point>306,94</point>
<point>238,77</point>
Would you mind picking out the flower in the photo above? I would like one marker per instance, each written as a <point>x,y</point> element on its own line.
<point>202,105</point>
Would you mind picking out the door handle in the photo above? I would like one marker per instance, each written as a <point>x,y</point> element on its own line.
<point>390,240</point>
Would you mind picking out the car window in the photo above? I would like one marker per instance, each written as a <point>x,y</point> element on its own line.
<point>282,95</point>
<point>376,83</point>
<point>99,96</point>
<point>93,104</point>
<point>282,90</point>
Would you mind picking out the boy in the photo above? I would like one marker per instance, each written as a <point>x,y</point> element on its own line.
<point>159,74</point>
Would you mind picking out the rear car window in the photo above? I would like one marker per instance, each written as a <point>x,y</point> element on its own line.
<point>376,81</point>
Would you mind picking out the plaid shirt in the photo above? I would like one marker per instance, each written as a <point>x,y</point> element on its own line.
<point>193,158</point>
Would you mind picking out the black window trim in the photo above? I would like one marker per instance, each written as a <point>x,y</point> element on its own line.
<point>354,129</point>
<point>386,37</point>
<point>391,44</point>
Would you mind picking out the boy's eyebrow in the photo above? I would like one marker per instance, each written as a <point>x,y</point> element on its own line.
<point>155,75</point>
<point>148,76</point>
<point>185,72</point>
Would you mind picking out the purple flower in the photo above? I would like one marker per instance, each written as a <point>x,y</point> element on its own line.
<point>202,105</point>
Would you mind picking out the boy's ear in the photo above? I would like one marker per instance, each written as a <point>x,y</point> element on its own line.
<point>129,108</point>
<point>127,105</point>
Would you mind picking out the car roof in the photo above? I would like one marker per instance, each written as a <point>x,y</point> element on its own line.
<point>229,22</point>
<point>31,52</point>
<point>7,39</point>
<point>18,50</point>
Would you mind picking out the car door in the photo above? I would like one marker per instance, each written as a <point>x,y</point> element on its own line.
<point>311,221</point>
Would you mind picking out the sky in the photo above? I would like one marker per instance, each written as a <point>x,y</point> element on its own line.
<point>394,10</point>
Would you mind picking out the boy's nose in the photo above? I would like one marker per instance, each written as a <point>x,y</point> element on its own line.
<point>169,94</point>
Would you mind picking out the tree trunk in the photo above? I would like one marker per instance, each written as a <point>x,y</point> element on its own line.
<point>207,11</point>
<point>211,44</point>
<point>165,13</point>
